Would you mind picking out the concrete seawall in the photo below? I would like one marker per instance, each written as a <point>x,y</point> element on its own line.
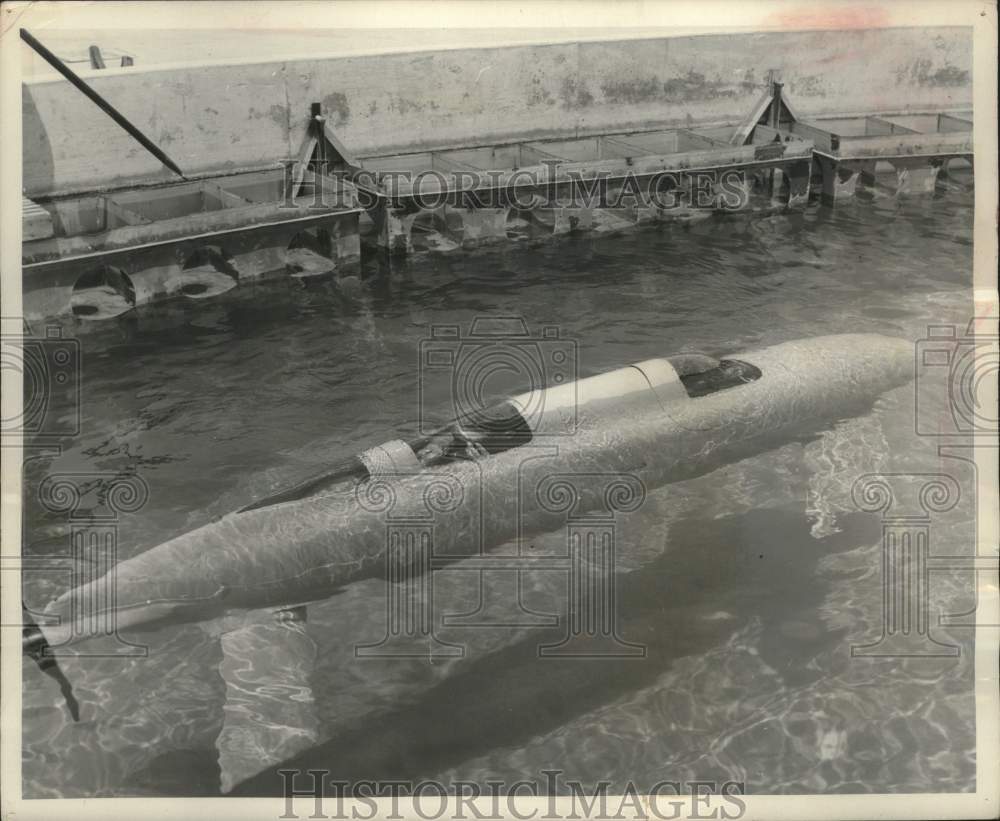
<point>228,117</point>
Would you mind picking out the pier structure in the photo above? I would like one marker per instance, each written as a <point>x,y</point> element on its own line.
<point>913,150</point>
<point>439,149</point>
<point>99,255</point>
<point>604,183</point>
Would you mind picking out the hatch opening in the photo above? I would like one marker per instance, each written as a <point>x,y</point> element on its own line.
<point>702,375</point>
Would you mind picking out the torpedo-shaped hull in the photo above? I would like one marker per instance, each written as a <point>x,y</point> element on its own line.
<point>665,430</point>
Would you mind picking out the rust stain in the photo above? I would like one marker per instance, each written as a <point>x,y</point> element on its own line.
<point>633,91</point>
<point>538,94</point>
<point>403,105</point>
<point>920,73</point>
<point>815,16</point>
<point>279,115</point>
<point>167,137</point>
<point>575,94</point>
<point>336,105</point>
<point>808,85</point>
<point>695,86</point>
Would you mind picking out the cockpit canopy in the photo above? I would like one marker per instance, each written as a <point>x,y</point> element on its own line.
<point>489,430</point>
<point>516,421</point>
<point>702,375</point>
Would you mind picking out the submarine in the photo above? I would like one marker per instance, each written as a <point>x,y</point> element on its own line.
<point>661,420</point>
<point>247,579</point>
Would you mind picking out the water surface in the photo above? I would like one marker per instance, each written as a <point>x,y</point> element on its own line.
<point>748,586</point>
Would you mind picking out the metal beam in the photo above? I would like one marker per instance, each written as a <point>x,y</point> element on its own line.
<point>99,101</point>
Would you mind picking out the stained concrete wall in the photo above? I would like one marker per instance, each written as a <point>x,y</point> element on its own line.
<point>229,117</point>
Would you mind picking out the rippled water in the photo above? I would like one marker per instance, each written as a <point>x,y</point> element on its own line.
<point>748,586</point>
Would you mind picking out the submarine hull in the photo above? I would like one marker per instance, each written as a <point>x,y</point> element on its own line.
<point>304,550</point>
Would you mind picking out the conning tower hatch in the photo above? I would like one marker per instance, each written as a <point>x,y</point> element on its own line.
<point>501,427</point>
<point>702,375</point>
<point>490,430</point>
<point>497,428</point>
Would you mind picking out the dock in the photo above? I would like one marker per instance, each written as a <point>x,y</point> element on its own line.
<point>572,145</point>
<point>603,183</point>
<point>98,256</point>
<point>913,148</point>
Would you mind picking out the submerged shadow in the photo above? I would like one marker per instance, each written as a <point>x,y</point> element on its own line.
<point>759,565</point>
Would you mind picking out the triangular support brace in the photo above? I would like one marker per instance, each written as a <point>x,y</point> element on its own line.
<point>321,150</point>
<point>772,110</point>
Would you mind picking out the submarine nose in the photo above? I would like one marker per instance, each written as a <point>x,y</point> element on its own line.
<point>896,356</point>
<point>886,361</point>
<point>869,363</point>
<point>837,370</point>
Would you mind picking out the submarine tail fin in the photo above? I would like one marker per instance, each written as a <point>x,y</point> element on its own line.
<point>35,646</point>
<point>269,714</point>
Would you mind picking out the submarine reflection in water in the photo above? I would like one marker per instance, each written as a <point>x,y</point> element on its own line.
<point>661,421</point>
